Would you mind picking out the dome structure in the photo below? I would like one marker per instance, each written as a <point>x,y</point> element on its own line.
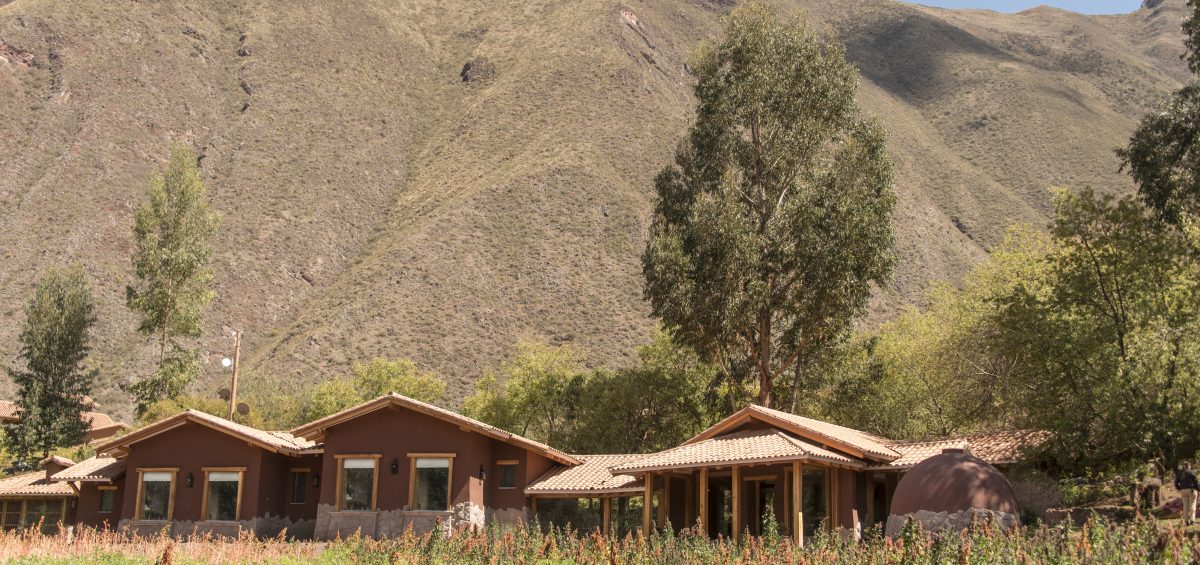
<point>953,481</point>
<point>946,490</point>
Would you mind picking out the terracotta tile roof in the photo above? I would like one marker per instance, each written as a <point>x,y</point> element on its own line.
<point>8,411</point>
<point>315,429</point>
<point>275,441</point>
<point>863,441</point>
<point>1003,448</point>
<point>96,469</point>
<point>33,484</point>
<point>912,453</point>
<point>747,446</point>
<point>591,478</point>
<point>96,420</point>
<point>997,448</point>
<point>56,459</point>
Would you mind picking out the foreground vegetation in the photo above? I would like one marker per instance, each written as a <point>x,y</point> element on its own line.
<point>1096,542</point>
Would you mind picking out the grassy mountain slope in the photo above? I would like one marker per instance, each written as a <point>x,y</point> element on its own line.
<point>437,180</point>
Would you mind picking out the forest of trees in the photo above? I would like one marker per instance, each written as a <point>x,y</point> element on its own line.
<point>773,226</point>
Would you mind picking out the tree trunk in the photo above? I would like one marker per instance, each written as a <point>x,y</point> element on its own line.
<point>764,359</point>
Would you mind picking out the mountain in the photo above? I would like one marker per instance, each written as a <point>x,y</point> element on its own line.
<point>437,180</point>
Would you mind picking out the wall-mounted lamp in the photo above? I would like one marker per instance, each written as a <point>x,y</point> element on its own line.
<point>316,480</point>
<point>190,481</point>
<point>482,473</point>
<point>395,466</point>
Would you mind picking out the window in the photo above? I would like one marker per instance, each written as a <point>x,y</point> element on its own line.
<point>10,514</point>
<point>299,481</point>
<point>222,494</point>
<point>507,471</point>
<point>156,495</point>
<point>358,483</point>
<point>431,483</point>
<point>107,496</point>
<point>47,512</point>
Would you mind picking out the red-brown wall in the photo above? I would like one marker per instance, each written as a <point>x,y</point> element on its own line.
<point>88,510</point>
<point>192,447</point>
<point>395,432</point>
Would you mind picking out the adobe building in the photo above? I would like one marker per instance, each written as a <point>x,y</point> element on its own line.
<point>100,425</point>
<point>394,463</point>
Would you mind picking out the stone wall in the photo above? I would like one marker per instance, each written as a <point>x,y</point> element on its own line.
<point>263,526</point>
<point>951,521</point>
<point>332,524</point>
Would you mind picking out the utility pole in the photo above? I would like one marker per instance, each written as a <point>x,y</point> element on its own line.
<point>237,351</point>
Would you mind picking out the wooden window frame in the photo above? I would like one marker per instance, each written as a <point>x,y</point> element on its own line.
<point>237,511</point>
<point>292,495</point>
<point>341,470</point>
<point>107,488</point>
<point>412,479</point>
<point>507,463</point>
<point>140,500</point>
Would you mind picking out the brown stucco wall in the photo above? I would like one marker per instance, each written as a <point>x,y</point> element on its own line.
<point>847,503</point>
<point>394,433</point>
<point>88,508</point>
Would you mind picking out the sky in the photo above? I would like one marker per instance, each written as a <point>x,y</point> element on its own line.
<point>1084,6</point>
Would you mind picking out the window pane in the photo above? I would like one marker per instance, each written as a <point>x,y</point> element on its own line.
<point>106,500</point>
<point>299,487</point>
<point>10,514</point>
<point>156,497</point>
<point>222,496</point>
<point>508,476</point>
<point>433,484</point>
<point>358,482</point>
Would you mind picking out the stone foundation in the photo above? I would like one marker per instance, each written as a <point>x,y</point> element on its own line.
<point>951,521</point>
<point>333,524</point>
<point>263,526</point>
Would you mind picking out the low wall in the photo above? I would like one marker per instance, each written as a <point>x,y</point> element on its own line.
<point>951,521</point>
<point>334,524</point>
<point>263,526</point>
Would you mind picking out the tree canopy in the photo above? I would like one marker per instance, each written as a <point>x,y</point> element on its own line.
<point>171,258</point>
<point>53,379</point>
<point>775,219</point>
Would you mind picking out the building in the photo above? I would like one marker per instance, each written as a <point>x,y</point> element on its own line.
<point>100,425</point>
<point>394,463</point>
<point>30,499</point>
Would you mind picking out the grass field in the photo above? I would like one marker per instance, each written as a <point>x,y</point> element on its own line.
<point>1096,542</point>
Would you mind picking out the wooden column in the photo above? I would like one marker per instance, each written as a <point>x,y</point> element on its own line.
<point>606,504</point>
<point>702,519</point>
<point>798,504</point>
<point>870,521</point>
<point>737,503</point>
<point>648,497</point>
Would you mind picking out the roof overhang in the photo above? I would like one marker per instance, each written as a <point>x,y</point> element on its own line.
<point>744,462</point>
<point>749,413</point>
<point>315,430</point>
<point>120,447</point>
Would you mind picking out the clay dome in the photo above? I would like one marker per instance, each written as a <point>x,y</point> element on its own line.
<point>951,482</point>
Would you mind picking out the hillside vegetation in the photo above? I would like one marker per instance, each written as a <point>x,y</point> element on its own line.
<point>437,180</point>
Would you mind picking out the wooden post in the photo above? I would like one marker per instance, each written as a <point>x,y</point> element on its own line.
<point>737,503</point>
<point>798,504</point>
<point>648,497</point>
<point>688,491</point>
<point>607,505</point>
<point>702,519</point>
<point>870,521</point>
<point>237,351</point>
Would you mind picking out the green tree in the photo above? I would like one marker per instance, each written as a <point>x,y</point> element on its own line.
<point>1106,341</point>
<point>776,218</point>
<point>53,379</point>
<point>937,371</point>
<point>171,232</point>
<point>662,401</point>
<point>1163,155</point>
<point>372,380</point>
<point>540,394</point>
